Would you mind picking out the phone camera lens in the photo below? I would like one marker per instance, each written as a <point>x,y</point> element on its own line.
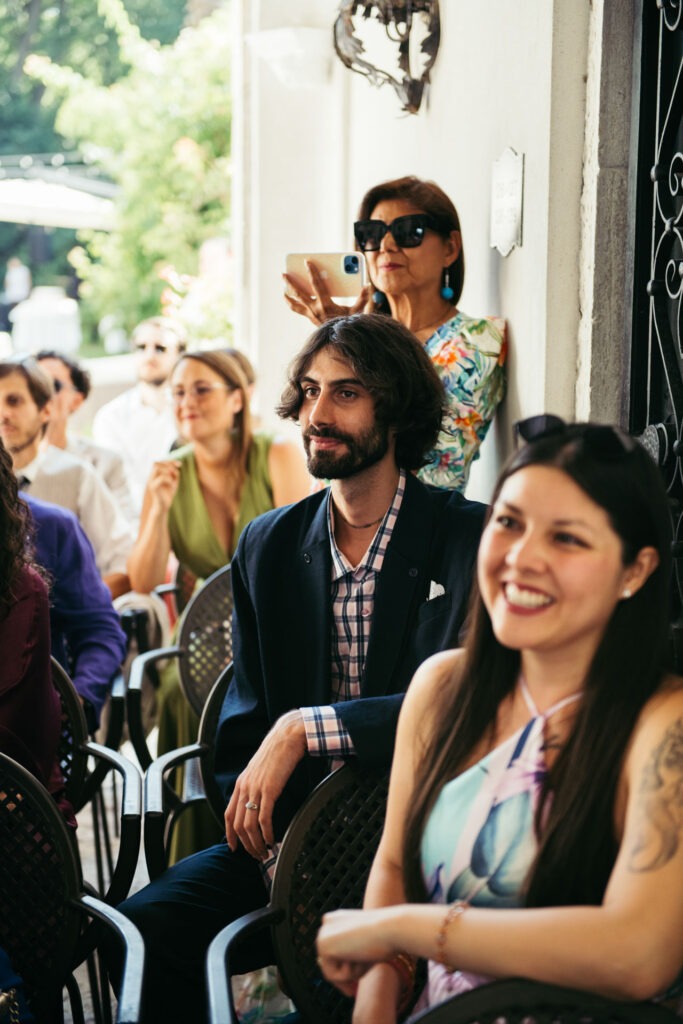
<point>351,264</point>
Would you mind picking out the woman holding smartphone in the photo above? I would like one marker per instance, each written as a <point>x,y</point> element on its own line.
<point>535,824</point>
<point>409,231</point>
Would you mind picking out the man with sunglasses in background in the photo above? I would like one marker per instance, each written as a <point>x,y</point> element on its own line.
<point>72,385</point>
<point>138,424</point>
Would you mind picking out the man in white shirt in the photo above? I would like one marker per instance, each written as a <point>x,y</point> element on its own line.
<point>139,424</point>
<point>57,476</point>
<point>71,384</point>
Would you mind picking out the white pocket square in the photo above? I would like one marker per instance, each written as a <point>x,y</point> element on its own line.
<point>435,590</point>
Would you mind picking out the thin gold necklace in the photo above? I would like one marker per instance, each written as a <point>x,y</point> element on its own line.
<point>358,526</point>
<point>438,322</point>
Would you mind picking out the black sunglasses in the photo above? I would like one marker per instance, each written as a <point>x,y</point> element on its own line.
<point>158,347</point>
<point>408,232</point>
<point>602,441</point>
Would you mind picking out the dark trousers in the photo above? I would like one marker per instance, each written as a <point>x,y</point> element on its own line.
<point>178,915</point>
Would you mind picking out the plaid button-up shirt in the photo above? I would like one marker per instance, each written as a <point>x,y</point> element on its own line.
<point>353,603</point>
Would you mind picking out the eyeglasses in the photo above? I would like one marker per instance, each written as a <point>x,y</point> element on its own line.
<point>602,441</point>
<point>158,347</point>
<point>197,391</point>
<point>408,232</point>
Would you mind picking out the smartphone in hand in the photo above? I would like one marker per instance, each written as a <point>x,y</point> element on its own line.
<point>343,273</point>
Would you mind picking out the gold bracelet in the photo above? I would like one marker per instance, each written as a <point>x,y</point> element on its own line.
<point>454,910</point>
<point>405,966</point>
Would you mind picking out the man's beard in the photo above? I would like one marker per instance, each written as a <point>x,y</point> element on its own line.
<point>155,382</point>
<point>364,450</point>
<point>20,446</point>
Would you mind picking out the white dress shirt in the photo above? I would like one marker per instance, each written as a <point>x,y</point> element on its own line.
<point>140,435</point>
<point>58,476</point>
<point>110,467</point>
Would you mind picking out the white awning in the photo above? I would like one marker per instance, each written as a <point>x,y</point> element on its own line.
<point>32,201</point>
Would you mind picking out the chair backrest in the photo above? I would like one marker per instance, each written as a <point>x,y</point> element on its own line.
<point>206,637</point>
<point>39,879</point>
<point>73,759</point>
<point>519,1001</point>
<point>324,864</point>
<point>207,734</point>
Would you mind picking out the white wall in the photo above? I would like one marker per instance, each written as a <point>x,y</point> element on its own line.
<point>507,74</point>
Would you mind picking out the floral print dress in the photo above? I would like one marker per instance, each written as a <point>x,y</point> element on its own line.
<point>469,355</point>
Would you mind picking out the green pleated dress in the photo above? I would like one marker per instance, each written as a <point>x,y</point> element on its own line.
<point>197,547</point>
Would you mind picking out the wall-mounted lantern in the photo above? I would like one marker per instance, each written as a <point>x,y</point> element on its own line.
<point>390,42</point>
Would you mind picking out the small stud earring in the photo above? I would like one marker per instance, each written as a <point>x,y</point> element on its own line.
<point>377,297</point>
<point>447,292</point>
<point>626,593</point>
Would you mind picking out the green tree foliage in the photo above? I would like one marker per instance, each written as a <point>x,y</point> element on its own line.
<point>162,132</point>
<point>74,33</point>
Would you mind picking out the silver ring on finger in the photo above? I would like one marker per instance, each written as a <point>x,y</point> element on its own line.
<point>251,806</point>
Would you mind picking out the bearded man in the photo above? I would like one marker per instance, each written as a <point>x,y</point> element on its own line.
<point>338,599</point>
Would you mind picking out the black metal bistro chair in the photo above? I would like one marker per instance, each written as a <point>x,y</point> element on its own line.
<point>518,1001</point>
<point>83,785</point>
<point>44,906</point>
<point>203,650</point>
<point>162,805</point>
<point>323,864</point>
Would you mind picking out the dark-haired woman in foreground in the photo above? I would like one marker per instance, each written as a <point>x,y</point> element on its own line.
<point>30,710</point>
<point>535,817</point>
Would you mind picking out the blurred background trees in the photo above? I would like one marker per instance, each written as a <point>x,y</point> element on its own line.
<point>142,90</point>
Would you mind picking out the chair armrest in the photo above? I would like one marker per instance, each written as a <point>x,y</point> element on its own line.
<point>221,1005</point>
<point>134,697</point>
<point>117,712</point>
<point>166,588</point>
<point>130,824</point>
<point>154,776</point>
<point>112,740</point>
<point>158,800</point>
<point>130,995</point>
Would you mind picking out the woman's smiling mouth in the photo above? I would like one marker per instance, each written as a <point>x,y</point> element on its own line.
<point>522,597</point>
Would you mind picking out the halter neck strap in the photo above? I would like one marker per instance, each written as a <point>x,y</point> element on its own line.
<point>533,710</point>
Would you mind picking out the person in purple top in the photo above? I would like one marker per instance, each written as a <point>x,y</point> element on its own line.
<point>87,639</point>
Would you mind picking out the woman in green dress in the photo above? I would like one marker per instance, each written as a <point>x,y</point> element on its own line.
<point>199,500</point>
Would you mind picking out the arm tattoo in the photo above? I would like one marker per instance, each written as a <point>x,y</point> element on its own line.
<point>660,800</point>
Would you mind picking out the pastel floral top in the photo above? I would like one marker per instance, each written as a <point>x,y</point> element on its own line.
<point>469,356</point>
<point>480,838</point>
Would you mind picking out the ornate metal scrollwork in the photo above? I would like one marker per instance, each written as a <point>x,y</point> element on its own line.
<point>665,287</point>
<point>399,19</point>
<point>671,12</point>
<point>657,381</point>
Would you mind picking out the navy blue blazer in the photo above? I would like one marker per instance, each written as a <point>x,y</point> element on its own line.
<point>282,626</point>
<point>87,639</point>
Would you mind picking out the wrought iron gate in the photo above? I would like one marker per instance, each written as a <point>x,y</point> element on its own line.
<point>656,391</point>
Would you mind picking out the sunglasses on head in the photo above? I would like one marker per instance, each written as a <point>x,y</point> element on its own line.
<point>408,232</point>
<point>604,442</point>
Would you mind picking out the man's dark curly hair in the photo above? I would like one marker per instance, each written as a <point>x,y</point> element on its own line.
<point>393,366</point>
<point>14,531</point>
